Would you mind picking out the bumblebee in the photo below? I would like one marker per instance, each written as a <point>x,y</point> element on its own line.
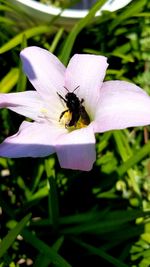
<point>75,109</point>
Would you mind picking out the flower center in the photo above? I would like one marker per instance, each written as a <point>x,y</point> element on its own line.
<point>74,120</point>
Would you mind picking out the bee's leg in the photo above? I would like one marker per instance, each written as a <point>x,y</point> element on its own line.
<point>66,125</point>
<point>82,100</point>
<point>62,97</point>
<point>62,114</point>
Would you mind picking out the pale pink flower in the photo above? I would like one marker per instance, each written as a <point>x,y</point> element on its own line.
<point>110,105</point>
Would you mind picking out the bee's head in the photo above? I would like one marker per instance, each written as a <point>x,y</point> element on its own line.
<point>70,96</point>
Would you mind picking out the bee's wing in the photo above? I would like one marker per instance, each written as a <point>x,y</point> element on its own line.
<point>84,116</point>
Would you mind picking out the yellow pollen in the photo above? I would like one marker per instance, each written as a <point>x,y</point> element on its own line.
<point>43,110</point>
<point>66,118</point>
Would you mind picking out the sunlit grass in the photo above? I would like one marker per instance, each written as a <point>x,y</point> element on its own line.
<point>55,217</point>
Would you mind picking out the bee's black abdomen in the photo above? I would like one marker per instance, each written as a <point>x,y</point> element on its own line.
<point>84,115</point>
<point>74,119</point>
<point>76,109</point>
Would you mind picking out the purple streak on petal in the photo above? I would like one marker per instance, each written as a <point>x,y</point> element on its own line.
<point>32,140</point>
<point>88,72</point>
<point>122,104</point>
<point>76,150</point>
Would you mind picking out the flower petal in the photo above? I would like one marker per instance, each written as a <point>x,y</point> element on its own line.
<point>87,72</point>
<point>76,150</point>
<point>122,104</point>
<point>27,103</point>
<point>44,70</point>
<point>32,140</point>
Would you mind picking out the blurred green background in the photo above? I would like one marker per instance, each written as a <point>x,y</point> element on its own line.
<point>55,217</point>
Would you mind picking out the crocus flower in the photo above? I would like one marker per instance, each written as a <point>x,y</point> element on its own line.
<point>109,105</point>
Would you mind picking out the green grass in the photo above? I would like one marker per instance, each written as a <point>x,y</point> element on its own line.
<point>55,217</point>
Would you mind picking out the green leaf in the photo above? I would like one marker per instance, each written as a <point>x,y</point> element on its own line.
<point>5,8</point>
<point>22,80</point>
<point>82,217</point>
<point>137,157</point>
<point>11,236</point>
<point>45,249</point>
<point>9,81</point>
<point>38,176</point>
<point>102,254</point>
<point>56,40</point>
<point>43,260</point>
<point>53,194</point>
<point>132,10</point>
<point>125,152</point>
<point>110,222</point>
<point>41,193</point>
<point>29,33</point>
<point>6,20</point>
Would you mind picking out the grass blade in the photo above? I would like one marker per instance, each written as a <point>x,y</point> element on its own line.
<point>11,236</point>
<point>99,252</point>
<point>137,157</point>
<point>43,260</point>
<point>130,11</point>
<point>110,223</point>
<point>34,31</point>
<point>9,81</point>
<point>66,50</point>
<point>45,249</point>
